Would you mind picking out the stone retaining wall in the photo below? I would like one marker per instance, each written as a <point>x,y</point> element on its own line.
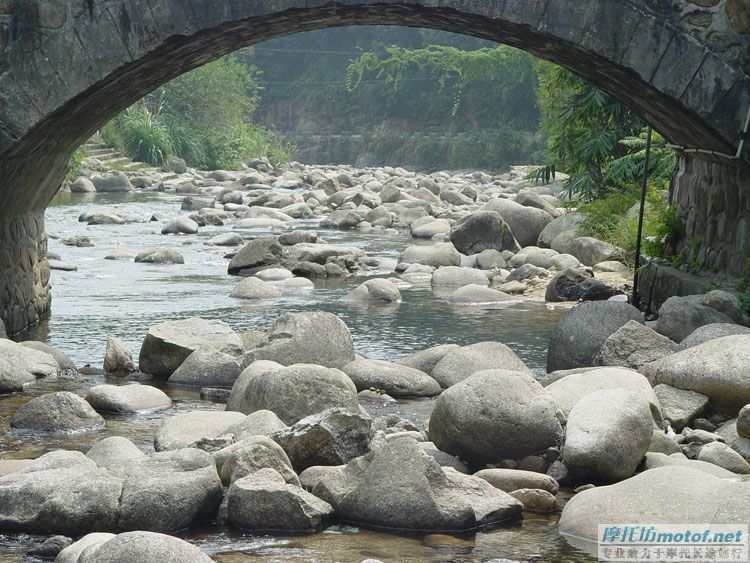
<point>25,294</point>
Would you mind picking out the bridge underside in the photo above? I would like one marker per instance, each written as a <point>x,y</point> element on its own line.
<point>66,68</point>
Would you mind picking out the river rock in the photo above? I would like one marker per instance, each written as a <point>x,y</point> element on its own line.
<point>117,357</point>
<point>567,222</point>
<point>495,415</point>
<point>121,252</point>
<point>724,456</point>
<point>377,290</point>
<point>128,399</point>
<point>477,295</point>
<point>136,546</point>
<point>680,407</point>
<point>426,360</point>
<point>726,303</point>
<point>114,452</point>
<point>114,182</point>
<point>168,344</point>
<point>634,345</point>
<point>436,255</point>
<point>72,553</point>
<point>264,501</point>
<point>251,455</point>
<point>526,223</point>
<point>394,379</point>
<point>49,548</point>
<point>332,437</point>
<point>255,255</point>
<point>182,430</point>
<point>679,316</point>
<point>491,259</point>
<point>57,412</point>
<point>66,364</point>
<point>607,435</point>
<point>510,480</point>
<point>452,277</point>
<point>254,288</point>
<point>743,422</point>
<point>458,364</point>
<point>575,284</point>
<point>180,225</point>
<point>237,394</point>
<point>160,255</point>
<point>739,443</point>
<point>581,332</point>
<point>307,337</point>
<point>429,227</point>
<point>82,186</point>
<point>300,390</point>
<point>12,379</point>
<point>225,239</point>
<point>717,369</point>
<point>568,390</point>
<point>28,362</point>
<point>664,495</point>
<point>258,423</point>
<point>711,332</point>
<point>400,486</point>
<point>482,230</point>
<point>207,367</point>
<point>591,251</point>
<point>536,500</point>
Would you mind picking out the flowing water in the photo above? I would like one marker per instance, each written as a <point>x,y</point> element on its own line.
<point>121,298</point>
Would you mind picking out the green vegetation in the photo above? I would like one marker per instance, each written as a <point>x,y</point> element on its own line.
<point>204,116</point>
<point>74,166</point>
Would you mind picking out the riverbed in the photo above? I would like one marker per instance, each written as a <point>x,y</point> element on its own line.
<point>106,298</point>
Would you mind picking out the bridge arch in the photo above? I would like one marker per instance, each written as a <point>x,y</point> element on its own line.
<point>66,68</point>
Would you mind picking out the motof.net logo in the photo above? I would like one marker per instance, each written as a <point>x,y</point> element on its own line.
<point>673,542</point>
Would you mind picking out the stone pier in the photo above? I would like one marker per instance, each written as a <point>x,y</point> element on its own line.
<point>25,295</point>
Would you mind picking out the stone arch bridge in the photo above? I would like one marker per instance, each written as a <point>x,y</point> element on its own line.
<point>68,66</point>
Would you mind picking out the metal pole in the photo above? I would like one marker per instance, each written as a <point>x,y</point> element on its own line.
<point>639,236</point>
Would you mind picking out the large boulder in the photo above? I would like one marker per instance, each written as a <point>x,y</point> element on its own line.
<point>607,435</point>
<point>57,412</point>
<point>717,368</point>
<point>207,367</point>
<point>300,390</point>
<point>399,486</point>
<point>254,256</point>
<point>127,398</point>
<point>724,456</point>
<point>576,284</point>
<point>678,406</point>
<point>743,421</point>
<point>160,255</point>
<point>114,182</point>
<point>168,344</point>
<point>711,332</point>
<point>510,480</point>
<point>394,379</point>
<point>679,316</point>
<point>634,345</point>
<point>117,357</point>
<point>726,303</point>
<point>27,362</point>
<point>376,290</point>
<point>132,546</point>
<point>12,379</point>
<point>495,415</point>
<point>114,452</point>
<point>426,360</point>
<point>322,253</point>
<point>526,223</point>
<point>568,222</point>
<point>237,394</point>
<point>265,501</point>
<point>740,443</point>
<point>64,361</point>
<point>666,495</point>
<point>459,363</point>
<point>258,423</point>
<point>183,430</point>
<point>452,277</point>
<point>180,225</point>
<point>313,337</point>
<point>580,333</point>
<point>332,437</point>
<point>590,251</point>
<point>254,288</point>
<point>436,255</point>
<point>570,389</point>
<point>482,230</point>
<point>251,455</point>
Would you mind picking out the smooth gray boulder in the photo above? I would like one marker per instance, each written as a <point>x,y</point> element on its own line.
<point>12,379</point>
<point>607,434</point>
<point>72,553</point>
<point>114,452</point>
<point>117,357</point>
<point>477,295</point>
<point>251,455</point>
<point>726,303</point>
<point>458,364</point>
<point>182,430</point>
<point>180,225</point>
<point>495,415</point>
<point>526,223</point>
<point>142,546</point>
<point>711,332</point>
<point>678,406</point>
<point>566,222</point>
<point>577,284</point>
<point>300,390</point>
<point>453,277</point>
<point>254,288</point>
<point>665,495</point>
<point>312,337</point>
<point>265,501</point>
<point>399,486</point>
<point>237,394</point>
<point>510,480</point>
<point>82,185</point>
<point>167,345</point>
<point>592,251</point>
<point>258,423</point>
<point>376,290</point>
<point>64,361</point>
<point>332,437</point>
<point>255,255</point>
<point>743,421</point>
<point>436,255</point>
<point>112,182</point>
<point>225,239</point>
<point>394,379</point>
<point>634,345</point>
<point>426,360</point>
<point>127,399</point>
<point>57,412</point>
<point>724,456</point>
<point>207,367</point>
<point>717,368</point>
<point>680,316</point>
<point>482,230</point>
<point>160,255</point>
<point>739,443</point>
<point>582,331</point>
<point>30,363</point>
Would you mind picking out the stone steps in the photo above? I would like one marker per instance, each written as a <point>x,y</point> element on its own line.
<point>111,157</point>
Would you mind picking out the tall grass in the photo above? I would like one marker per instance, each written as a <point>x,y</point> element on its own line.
<point>145,136</point>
